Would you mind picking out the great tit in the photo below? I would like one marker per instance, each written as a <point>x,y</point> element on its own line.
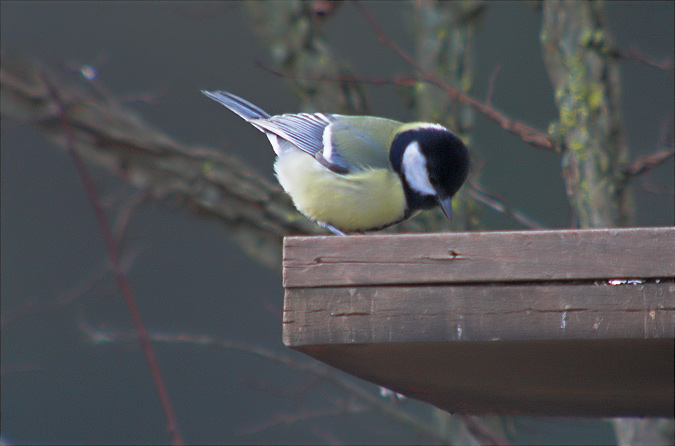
<point>359,173</point>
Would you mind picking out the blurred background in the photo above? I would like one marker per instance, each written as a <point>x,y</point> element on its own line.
<point>189,278</point>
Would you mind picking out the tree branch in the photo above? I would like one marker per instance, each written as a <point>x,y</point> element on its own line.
<point>98,335</point>
<point>115,263</point>
<point>256,213</point>
<point>647,163</point>
<point>526,132</point>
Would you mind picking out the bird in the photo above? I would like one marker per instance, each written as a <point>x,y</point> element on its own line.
<point>355,174</point>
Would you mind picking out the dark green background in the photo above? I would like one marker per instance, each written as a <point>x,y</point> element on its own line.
<point>58,388</point>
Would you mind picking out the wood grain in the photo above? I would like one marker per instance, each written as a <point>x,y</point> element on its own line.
<point>577,322</point>
<point>479,257</point>
<point>347,315</point>
<point>599,378</point>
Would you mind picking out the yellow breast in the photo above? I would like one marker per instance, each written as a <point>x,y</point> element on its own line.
<point>354,202</point>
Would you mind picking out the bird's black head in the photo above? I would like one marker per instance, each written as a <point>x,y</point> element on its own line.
<point>447,160</point>
<point>433,163</point>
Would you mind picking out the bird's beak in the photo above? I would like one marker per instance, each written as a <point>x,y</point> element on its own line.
<point>446,205</point>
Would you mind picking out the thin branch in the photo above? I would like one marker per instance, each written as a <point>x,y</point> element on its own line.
<point>206,181</point>
<point>647,163</point>
<point>120,277</point>
<point>286,419</point>
<point>479,428</point>
<point>401,80</point>
<point>636,55</point>
<point>125,214</point>
<point>491,85</point>
<point>494,203</point>
<point>99,335</point>
<point>527,133</point>
<point>85,285</point>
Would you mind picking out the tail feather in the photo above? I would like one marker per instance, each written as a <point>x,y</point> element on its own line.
<point>238,105</point>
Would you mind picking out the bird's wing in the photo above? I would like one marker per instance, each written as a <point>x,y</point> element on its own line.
<point>306,132</point>
<point>341,143</point>
<point>238,105</point>
<point>362,141</point>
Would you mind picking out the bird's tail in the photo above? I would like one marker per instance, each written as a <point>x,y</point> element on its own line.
<point>238,105</point>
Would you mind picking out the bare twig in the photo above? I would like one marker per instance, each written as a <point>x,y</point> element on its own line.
<point>85,285</point>
<point>647,163</point>
<point>636,55</point>
<point>483,431</point>
<point>257,213</point>
<point>402,80</point>
<point>120,277</point>
<point>491,86</point>
<point>480,195</point>
<point>99,335</point>
<point>651,161</point>
<point>527,133</point>
<point>286,419</point>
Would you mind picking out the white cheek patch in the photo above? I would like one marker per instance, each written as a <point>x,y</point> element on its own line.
<point>415,170</point>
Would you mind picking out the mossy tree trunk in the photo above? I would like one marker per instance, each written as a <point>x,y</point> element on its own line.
<point>589,130</point>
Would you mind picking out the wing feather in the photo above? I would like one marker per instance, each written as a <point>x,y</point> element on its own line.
<point>306,132</point>
<point>303,130</point>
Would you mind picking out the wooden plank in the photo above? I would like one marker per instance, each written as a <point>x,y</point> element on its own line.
<point>544,322</point>
<point>560,349</point>
<point>479,257</point>
<point>600,378</point>
<point>481,312</point>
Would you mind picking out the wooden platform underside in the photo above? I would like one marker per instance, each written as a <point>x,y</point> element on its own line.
<point>547,322</point>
